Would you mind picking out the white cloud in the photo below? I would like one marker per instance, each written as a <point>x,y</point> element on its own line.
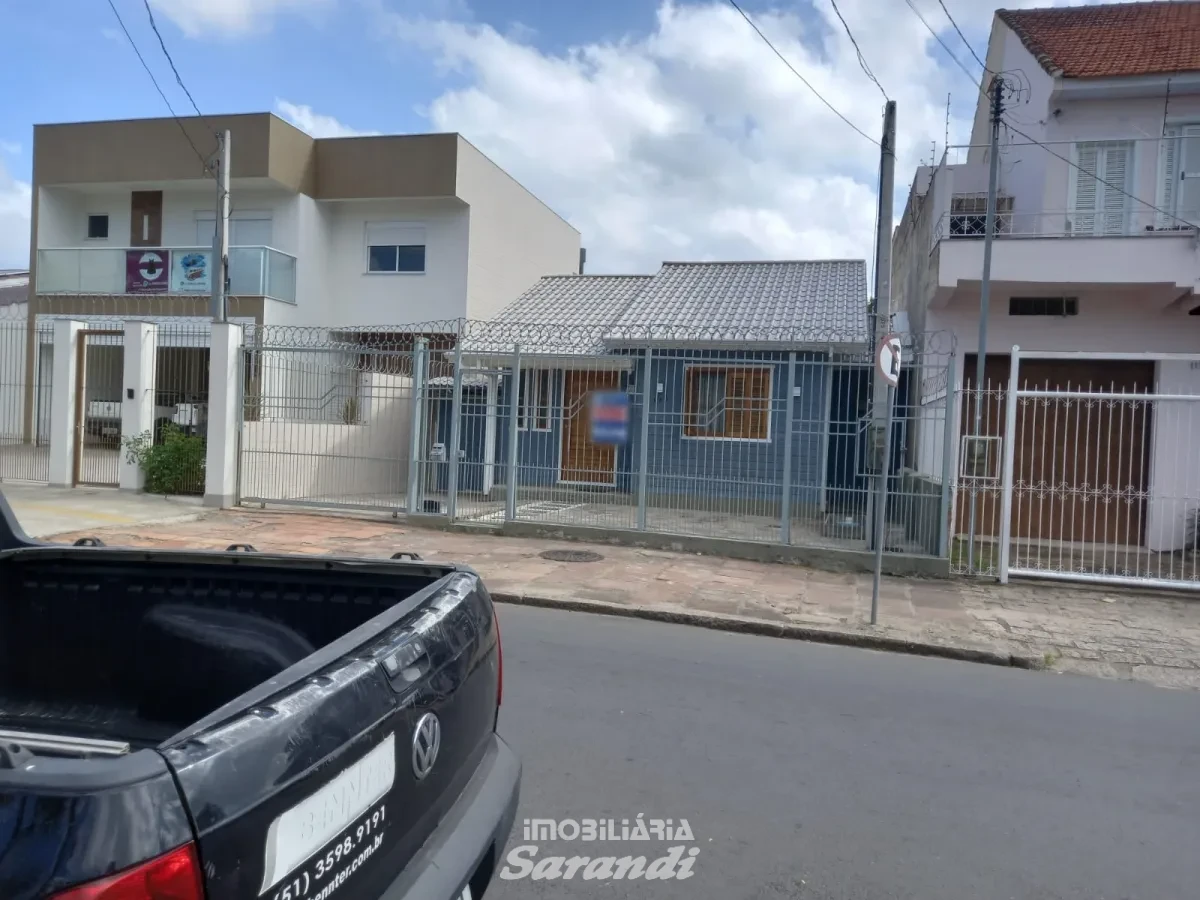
<point>229,17</point>
<point>14,220</point>
<point>316,124</point>
<point>10,147</point>
<point>694,140</point>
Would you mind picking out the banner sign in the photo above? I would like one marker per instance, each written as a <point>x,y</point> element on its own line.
<point>191,272</point>
<point>610,417</point>
<point>146,271</point>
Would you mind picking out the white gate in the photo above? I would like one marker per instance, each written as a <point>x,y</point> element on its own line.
<point>1103,485</point>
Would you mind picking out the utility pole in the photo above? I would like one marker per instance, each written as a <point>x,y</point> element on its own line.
<point>220,268</point>
<point>985,290</point>
<point>881,304</point>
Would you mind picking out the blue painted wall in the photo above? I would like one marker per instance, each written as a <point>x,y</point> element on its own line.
<point>751,471</point>
<point>733,470</point>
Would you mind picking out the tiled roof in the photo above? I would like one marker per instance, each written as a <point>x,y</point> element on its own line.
<point>810,301</point>
<point>574,300</point>
<point>1115,39</point>
<point>14,287</point>
<point>807,301</point>
<point>561,314</point>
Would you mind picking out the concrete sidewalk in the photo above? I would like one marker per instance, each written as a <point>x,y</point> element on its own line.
<point>1152,638</point>
<point>44,511</point>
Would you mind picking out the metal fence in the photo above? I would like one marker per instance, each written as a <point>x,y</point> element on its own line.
<point>1097,483</point>
<point>181,380</point>
<point>760,436</point>
<point>99,371</point>
<point>26,374</point>
<point>327,418</point>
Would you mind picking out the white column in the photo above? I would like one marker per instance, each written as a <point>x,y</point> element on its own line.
<point>224,415</point>
<point>62,403</point>
<point>137,401</point>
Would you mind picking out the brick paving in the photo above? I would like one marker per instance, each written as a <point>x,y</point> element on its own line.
<point>1114,634</point>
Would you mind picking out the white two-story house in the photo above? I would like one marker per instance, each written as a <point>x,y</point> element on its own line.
<point>378,230</point>
<point>404,233</point>
<point>1096,262</point>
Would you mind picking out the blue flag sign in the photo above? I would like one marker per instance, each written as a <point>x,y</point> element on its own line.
<point>610,417</point>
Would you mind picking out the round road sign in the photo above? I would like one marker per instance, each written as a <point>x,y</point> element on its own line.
<point>887,359</point>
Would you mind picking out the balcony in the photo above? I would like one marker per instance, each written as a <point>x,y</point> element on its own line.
<point>178,271</point>
<point>1061,247</point>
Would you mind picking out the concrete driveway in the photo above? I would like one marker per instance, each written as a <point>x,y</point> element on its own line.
<point>43,511</point>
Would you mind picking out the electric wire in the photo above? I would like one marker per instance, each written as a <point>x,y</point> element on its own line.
<point>862,61</point>
<point>132,43</point>
<point>796,72</point>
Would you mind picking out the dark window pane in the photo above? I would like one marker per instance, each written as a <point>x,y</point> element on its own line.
<point>411,258</point>
<point>381,259</point>
<point>97,226</point>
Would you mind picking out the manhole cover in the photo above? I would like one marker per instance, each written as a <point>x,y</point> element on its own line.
<point>571,555</point>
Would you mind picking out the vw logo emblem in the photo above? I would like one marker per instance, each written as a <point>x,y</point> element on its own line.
<point>426,742</point>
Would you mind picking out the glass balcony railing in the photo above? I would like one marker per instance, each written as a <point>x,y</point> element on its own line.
<point>253,271</point>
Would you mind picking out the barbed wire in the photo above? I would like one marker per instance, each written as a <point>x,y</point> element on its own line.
<point>476,337</point>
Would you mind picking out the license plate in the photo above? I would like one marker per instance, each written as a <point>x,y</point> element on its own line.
<point>296,835</point>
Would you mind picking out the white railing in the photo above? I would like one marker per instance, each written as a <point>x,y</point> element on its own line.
<point>1060,224</point>
<point>253,271</point>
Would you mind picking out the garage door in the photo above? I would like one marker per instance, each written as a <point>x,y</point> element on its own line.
<point>1071,456</point>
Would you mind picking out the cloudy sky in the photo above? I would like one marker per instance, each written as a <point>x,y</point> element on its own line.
<point>662,129</point>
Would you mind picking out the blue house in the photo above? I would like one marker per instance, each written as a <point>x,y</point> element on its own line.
<point>723,386</point>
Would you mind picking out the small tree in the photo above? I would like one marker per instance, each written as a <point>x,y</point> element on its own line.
<point>174,465</point>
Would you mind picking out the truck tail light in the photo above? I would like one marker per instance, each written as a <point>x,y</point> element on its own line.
<point>172,876</point>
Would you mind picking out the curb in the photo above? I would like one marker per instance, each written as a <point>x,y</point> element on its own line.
<point>787,631</point>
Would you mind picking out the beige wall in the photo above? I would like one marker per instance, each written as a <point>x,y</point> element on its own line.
<point>401,166</point>
<point>515,238</point>
<point>140,150</point>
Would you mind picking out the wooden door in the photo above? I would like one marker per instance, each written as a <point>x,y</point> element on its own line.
<point>145,219</point>
<point>583,461</point>
<point>1075,462</point>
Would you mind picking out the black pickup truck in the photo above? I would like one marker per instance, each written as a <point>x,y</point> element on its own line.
<point>192,725</point>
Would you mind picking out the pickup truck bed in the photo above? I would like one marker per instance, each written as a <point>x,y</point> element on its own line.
<point>277,726</point>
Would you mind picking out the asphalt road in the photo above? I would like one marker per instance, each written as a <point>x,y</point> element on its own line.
<point>823,772</point>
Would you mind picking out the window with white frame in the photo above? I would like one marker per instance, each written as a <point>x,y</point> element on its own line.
<point>1100,187</point>
<point>1178,178</point>
<point>395,248</point>
<point>534,401</point>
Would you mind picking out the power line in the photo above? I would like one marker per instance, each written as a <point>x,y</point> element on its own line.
<point>862,62</point>
<point>937,37</point>
<point>982,64</point>
<point>171,62</point>
<point>795,72</point>
<point>154,80</point>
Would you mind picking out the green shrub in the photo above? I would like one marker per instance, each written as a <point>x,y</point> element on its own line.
<point>174,465</point>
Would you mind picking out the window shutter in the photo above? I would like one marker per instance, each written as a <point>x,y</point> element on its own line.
<point>1116,173</point>
<point>1087,157</point>
<point>394,234</point>
<point>1168,176</point>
